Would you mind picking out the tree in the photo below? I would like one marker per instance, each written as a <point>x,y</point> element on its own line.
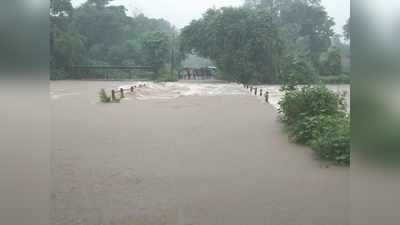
<point>244,43</point>
<point>101,26</point>
<point>66,44</point>
<point>97,33</point>
<point>296,67</point>
<point>312,23</point>
<point>156,50</point>
<point>346,30</point>
<point>60,7</point>
<point>300,21</point>
<point>331,62</point>
<point>344,52</point>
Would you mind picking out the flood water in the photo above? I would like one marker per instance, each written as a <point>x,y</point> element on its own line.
<point>173,90</point>
<point>183,154</point>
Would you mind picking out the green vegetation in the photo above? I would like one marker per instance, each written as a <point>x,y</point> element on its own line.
<point>104,97</point>
<point>268,41</point>
<point>314,117</point>
<point>265,41</point>
<point>156,51</point>
<point>334,139</point>
<point>346,30</point>
<point>242,42</point>
<point>97,33</point>
<point>330,62</point>
<point>308,101</point>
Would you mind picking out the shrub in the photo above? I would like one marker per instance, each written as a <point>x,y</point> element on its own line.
<point>333,141</point>
<point>305,129</point>
<point>103,96</point>
<point>309,101</point>
<point>309,128</point>
<point>313,117</point>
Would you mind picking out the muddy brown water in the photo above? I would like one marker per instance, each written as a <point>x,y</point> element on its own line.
<point>193,160</point>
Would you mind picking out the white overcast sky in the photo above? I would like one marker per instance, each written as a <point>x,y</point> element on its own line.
<point>181,12</point>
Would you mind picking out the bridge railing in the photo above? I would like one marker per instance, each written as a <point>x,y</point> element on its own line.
<point>257,91</point>
<point>107,72</point>
<point>123,91</point>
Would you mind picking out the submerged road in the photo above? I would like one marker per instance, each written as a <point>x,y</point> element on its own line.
<point>195,160</point>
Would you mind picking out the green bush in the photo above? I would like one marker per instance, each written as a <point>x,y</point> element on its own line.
<point>313,117</point>
<point>306,129</point>
<point>103,96</point>
<point>334,142</point>
<point>309,101</point>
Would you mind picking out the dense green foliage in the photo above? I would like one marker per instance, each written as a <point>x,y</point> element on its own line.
<point>298,70</point>
<point>308,101</point>
<point>333,140</point>
<point>267,41</point>
<point>156,50</point>
<point>242,42</point>
<point>345,53</point>
<point>97,33</point>
<point>314,117</point>
<point>331,62</point>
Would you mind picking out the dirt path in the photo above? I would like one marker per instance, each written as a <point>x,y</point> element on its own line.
<point>219,160</point>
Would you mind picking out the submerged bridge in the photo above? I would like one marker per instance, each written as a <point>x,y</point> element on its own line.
<point>106,72</point>
<point>126,72</point>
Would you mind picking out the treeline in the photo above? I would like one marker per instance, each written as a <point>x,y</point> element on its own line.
<point>269,41</point>
<point>266,41</point>
<point>97,33</point>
